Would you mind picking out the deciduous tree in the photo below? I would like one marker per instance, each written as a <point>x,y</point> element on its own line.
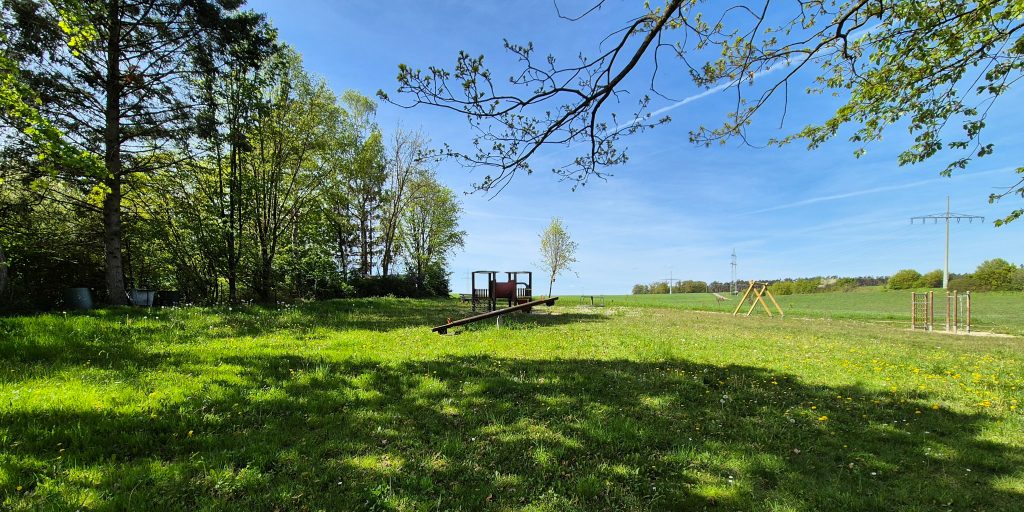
<point>112,76</point>
<point>557,250</point>
<point>429,232</point>
<point>936,68</point>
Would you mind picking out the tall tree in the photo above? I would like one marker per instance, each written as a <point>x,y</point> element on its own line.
<point>557,250</point>
<point>363,178</point>
<point>429,232</point>
<point>112,76</point>
<point>229,94</point>
<point>293,135</point>
<point>406,157</point>
<point>928,66</point>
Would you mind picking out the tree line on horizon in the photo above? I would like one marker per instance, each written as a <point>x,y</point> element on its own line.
<point>991,275</point>
<point>779,286</point>
<point>179,145</point>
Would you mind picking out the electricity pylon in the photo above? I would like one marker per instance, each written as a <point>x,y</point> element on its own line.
<point>946,216</point>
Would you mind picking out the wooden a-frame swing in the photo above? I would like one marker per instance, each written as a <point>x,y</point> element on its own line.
<point>760,290</point>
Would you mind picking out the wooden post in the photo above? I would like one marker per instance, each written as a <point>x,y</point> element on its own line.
<point>955,312</point>
<point>757,298</point>
<point>968,312</point>
<point>931,310</point>
<point>947,311</point>
<point>777,306</point>
<point>745,294</point>
<point>913,310</point>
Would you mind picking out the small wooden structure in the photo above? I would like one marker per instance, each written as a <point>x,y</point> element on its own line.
<point>592,300</point>
<point>760,290</point>
<point>517,288</point>
<point>525,306</point>
<point>958,311</point>
<point>922,310</point>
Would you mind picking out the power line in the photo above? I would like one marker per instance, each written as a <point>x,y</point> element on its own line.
<point>935,217</point>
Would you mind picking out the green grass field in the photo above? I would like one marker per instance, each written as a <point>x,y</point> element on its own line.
<point>356,405</point>
<point>1000,312</point>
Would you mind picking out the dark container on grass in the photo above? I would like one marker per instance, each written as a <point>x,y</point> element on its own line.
<point>142,297</point>
<point>167,298</point>
<point>78,298</point>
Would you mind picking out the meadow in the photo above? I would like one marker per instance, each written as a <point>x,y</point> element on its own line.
<point>356,405</point>
<point>999,312</point>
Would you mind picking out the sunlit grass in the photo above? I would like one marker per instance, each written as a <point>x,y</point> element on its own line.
<point>357,405</point>
<point>999,312</point>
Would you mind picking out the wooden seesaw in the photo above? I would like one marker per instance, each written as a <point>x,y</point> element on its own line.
<point>443,329</point>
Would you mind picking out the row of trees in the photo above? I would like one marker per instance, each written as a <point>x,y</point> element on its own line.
<point>778,287</point>
<point>659,287</point>
<point>177,144</point>
<point>991,275</point>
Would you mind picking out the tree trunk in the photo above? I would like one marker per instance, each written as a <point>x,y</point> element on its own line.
<point>3,273</point>
<point>550,284</point>
<point>233,183</point>
<point>364,247</point>
<point>112,244</point>
<point>112,159</point>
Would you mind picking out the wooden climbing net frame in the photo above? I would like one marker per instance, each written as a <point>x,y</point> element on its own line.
<point>958,311</point>
<point>922,310</point>
<point>756,292</point>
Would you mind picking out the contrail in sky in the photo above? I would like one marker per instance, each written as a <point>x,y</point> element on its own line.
<point>856,193</point>
<point>721,87</point>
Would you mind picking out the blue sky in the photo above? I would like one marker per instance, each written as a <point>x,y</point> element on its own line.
<point>673,208</point>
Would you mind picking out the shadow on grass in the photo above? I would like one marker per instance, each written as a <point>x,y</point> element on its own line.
<point>291,432</point>
<point>132,340</point>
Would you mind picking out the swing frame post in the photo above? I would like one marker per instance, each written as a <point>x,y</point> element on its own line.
<point>760,291</point>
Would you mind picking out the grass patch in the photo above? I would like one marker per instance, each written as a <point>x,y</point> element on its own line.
<point>356,405</point>
<point>1001,312</point>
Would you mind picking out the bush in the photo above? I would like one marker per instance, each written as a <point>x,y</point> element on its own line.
<point>806,285</point>
<point>641,289</point>
<point>1017,282</point>
<point>660,287</point>
<point>382,286</point>
<point>995,274</point>
<point>932,279</point>
<point>845,284</point>
<point>781,288</point>
<point>904,279</point>
<point>965,283</point>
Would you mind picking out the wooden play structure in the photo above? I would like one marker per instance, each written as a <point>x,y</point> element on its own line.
<point>497,313</point>
<point>958,311</point>
<point>516,289</point>
<point>756,292</point>
<point>922,310</point>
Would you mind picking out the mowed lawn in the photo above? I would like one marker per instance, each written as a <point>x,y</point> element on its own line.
<point>356,405</point>
<point>1000,312</point>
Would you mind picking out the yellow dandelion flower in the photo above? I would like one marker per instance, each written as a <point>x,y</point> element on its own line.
<point>823,418</point>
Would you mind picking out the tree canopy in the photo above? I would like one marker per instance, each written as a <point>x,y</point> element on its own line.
<point>179,145</point>
<point>557,250</point>
<point>933,68</point>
